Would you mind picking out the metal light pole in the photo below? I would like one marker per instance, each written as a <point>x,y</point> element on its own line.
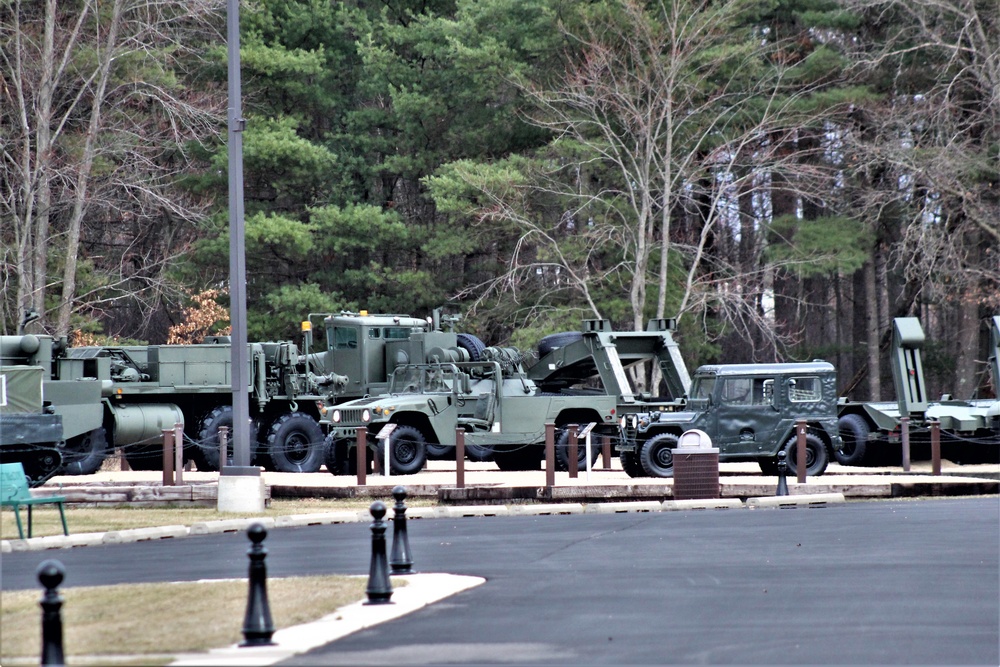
<point>241,487</point>
<point>237,253</point>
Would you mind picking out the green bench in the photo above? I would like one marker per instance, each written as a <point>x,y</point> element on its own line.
<point>14,492</point>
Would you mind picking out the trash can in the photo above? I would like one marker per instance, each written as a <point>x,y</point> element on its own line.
<point>696,467</point>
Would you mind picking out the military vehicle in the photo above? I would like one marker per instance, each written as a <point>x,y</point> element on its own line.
<point>491,399</point>
<point>30,432</point>
<point>970,430</point>
<point>124,396</point>
<point>749,412</point>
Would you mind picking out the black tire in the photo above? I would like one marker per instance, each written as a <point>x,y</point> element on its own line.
<point>84,454</point>
<point>526,457</point>
<point>816,455</point>
<point>630,464</point>
<point>562,452</point>
<point>408,447</point>
<point>854,431</point>
<point>479,453</point>
<point>438,452</point>
<point>557,340</point>
<point>295,443</point>
<point>335,455</point>
<point>472,345</point>
<point>205,452</point>
<point>657,455</point>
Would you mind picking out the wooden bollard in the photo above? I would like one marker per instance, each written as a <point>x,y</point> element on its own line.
<point>459,458</point>
<point>361,453</point>
<point>550,455</point>
<point>168,457</point>
<point>935,447</point>
<point>800,450</point>
<point>573,455</point>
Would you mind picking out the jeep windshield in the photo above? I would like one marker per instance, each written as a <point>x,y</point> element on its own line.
<point>436,379</point>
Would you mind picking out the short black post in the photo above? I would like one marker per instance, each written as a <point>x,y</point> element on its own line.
<point>257,624</point>
<point>782,471</point>
<point>400,561</point>
<point>50,574</point>
<point>379,587</point>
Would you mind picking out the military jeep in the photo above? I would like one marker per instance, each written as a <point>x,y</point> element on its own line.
<point>749,411</point>
<point>500,410</point>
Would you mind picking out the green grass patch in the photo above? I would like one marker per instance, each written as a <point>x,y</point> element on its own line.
<point>149,624</point>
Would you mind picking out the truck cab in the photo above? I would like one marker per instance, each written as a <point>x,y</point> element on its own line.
<point>748,410</point>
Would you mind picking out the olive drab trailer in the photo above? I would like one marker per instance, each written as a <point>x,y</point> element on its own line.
<point>970,429</point>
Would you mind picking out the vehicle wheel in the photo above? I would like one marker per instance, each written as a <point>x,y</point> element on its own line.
<point>409,450</point>
<point>630,464</point>
<point>854,431</point>
<point>479,453</point>
<point>526,457</point>
<point>205,452</point>
<point>335,451</point>
<point>657,455</point>
<point>557,340</point>
<point>439,452</point>
<point>84,454</point>
<point>295,443</point>
<point>472,345</point>
<point>562,452</point>
<point>816,456</point>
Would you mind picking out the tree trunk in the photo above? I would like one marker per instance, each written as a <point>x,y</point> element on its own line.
<point>871,310</point>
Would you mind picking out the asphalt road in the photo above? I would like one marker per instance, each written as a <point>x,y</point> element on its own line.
<point>909,582</point>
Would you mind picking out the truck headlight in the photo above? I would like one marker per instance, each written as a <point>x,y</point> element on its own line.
<point>366,415</point>
<point>335,418</point>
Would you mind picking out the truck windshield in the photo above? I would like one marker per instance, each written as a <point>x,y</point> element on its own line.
<point>703,387</point>
<point>422,380</point>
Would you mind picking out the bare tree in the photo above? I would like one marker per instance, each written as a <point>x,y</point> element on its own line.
<point>669,123</point>
<point>935,136</point>
<point>97,124</point>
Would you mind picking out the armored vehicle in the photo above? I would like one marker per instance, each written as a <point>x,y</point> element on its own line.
<point>748,410</point>
<point>492,400</point>
<point>30,432</point>
<point>970,429</point>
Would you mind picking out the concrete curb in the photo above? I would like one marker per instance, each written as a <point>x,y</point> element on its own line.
<point>813,499</point>
<point>144,534</point>
<point>419,513</point>
<point>713,504</point>
<point>420,591</point>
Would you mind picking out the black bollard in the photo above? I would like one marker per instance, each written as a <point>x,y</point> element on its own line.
<point>50,574</point>
<point>379,588</point>
<point>401,562</point>
<point>257,624</point>
<point>782,471</point>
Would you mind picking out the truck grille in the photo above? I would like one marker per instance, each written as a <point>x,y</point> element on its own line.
<point>352,417</point>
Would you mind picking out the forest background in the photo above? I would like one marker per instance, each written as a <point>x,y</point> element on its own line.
<point>782,176</point>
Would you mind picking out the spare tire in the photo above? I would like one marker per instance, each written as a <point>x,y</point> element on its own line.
<point>472,345</point>
<point>557,340</point>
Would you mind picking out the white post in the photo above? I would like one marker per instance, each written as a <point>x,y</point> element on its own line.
<point>589,462</point>
<point>385,447</point>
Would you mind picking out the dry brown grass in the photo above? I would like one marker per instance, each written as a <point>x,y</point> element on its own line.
<point>114,624</point>
<point>101,519</point>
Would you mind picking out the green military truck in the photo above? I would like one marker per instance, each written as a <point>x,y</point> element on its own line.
<point>124,396</point>
<point>500,410</point>
<point>748,410</point>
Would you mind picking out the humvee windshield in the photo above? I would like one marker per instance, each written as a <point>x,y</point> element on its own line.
<point>422,380</point>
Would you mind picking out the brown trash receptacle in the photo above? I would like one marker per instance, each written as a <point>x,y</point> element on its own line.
<point>696,467</point>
